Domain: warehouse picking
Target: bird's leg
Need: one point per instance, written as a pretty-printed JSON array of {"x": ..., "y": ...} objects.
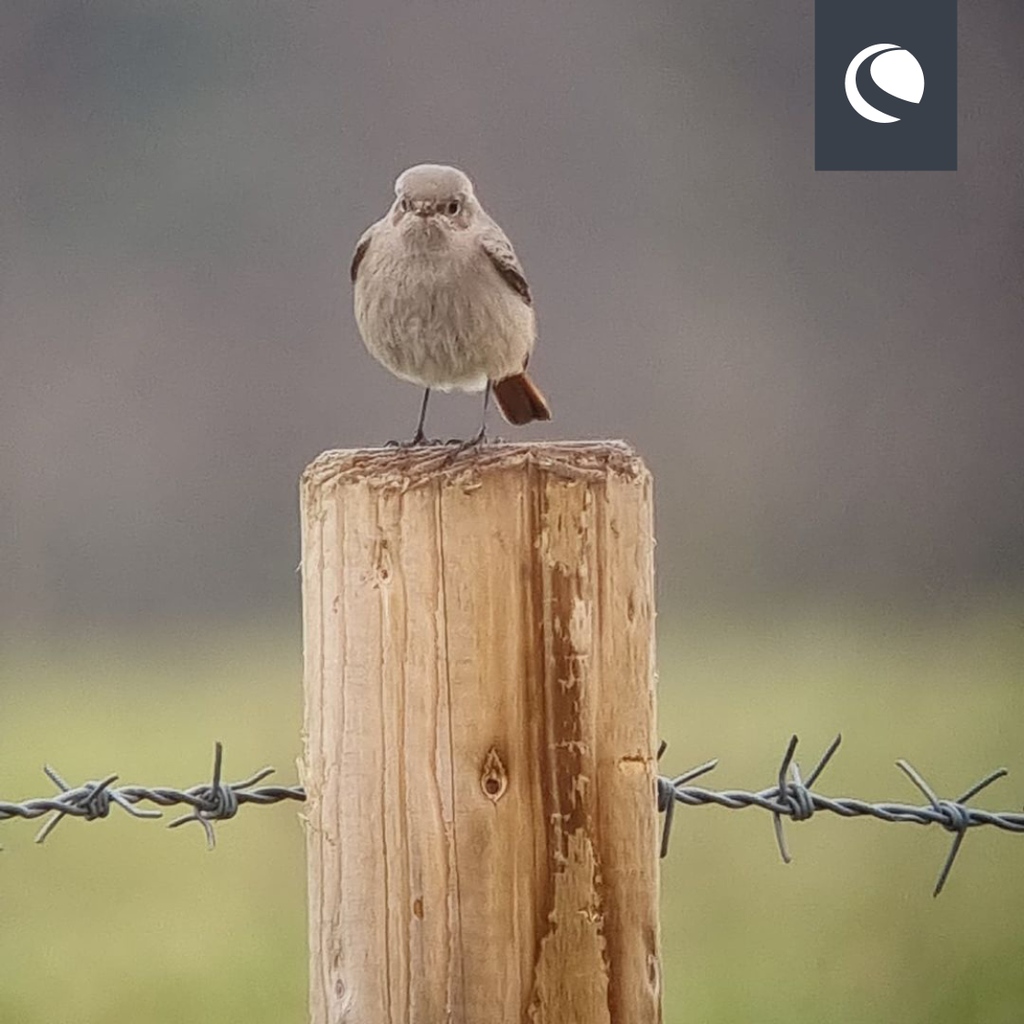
[
  {"x": 419, "y": 437},
  {"x": 481, "y": 435}
]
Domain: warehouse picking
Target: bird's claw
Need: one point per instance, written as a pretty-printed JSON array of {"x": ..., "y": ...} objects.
[
  {"x": 459, "y": 445},
  {"x": 417, "y": 441}
]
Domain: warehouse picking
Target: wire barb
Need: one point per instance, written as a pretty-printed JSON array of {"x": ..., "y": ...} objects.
[
  {"x": 218, "y": 802},
  {"x": 955, "y": 815},
  {"x": 666, "y": 789},
  {"x": 795, "y": 794},
  {"x": 90, "y": 801}
]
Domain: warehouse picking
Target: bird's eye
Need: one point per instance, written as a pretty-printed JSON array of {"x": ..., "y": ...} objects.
[
  {"x": 405, "y": 205},
  {"x": 452, "y": 207}
]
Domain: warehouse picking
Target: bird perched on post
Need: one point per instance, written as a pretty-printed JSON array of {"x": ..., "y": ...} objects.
[{"x": 441, "y": 300}]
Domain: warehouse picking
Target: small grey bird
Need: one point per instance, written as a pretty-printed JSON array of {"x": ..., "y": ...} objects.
[{"x": 440, "y": 298}]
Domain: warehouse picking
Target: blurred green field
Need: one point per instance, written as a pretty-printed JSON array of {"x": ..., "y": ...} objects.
[{"x": 120, "y": 921}]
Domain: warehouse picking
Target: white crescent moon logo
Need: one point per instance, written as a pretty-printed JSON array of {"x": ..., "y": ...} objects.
[{"x": 896, "y": 71}]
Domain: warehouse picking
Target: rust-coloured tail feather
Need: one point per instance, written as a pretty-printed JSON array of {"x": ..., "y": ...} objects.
[{"x": 520, "y": 400}]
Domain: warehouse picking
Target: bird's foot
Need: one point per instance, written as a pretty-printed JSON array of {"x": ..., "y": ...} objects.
[
  {"x": 419, "y": 439},
  {"x": 459, "y": 444}
]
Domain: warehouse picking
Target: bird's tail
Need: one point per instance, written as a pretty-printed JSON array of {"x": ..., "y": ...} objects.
[{"x": 520, "y": 400}]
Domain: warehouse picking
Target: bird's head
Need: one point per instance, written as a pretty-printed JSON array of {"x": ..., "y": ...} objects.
[{"x": 431, "y": 197}]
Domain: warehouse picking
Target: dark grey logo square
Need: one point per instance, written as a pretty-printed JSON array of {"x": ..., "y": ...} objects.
[{"x": 885, "y": 85}]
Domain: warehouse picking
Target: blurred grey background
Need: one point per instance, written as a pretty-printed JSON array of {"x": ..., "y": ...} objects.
[{"x": 824, "y": 370}]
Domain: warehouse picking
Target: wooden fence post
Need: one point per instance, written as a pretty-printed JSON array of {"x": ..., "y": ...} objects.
[{"x": 479, "y": 736}]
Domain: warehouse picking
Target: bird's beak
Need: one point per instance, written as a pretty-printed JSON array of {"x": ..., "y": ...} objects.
[{"x": 423, "y": 208}]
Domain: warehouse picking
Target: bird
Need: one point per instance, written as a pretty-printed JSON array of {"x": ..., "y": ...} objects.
[{"x": 441, "y": 299}]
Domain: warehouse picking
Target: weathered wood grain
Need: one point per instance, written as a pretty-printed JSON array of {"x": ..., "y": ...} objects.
[{"x": 479, "y": 678}]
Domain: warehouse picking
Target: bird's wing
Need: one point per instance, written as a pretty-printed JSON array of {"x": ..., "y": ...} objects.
[
  {"x": 500, "y": 252},
  {"x": 361, "y": 249}
]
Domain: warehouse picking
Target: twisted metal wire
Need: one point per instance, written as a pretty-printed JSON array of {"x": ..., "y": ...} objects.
[
  {"x": 209, "y": 802},
  {"x": 790, "y": 797}
]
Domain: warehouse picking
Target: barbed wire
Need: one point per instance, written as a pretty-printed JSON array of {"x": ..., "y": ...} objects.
[
  {"x": 791, "y": 797},
  {"x": 212, "y": 801}
]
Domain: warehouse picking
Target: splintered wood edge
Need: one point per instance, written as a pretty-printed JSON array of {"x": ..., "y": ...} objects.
[{"x": 404, "y": 468}]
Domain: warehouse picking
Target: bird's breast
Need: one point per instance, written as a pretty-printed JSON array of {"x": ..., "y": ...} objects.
[{"x": 441, "y": 317}]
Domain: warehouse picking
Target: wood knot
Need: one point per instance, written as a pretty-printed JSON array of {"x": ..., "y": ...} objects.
[
  {"x": 344, "y": 998},
  {"x": 493, "y": 777}
]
